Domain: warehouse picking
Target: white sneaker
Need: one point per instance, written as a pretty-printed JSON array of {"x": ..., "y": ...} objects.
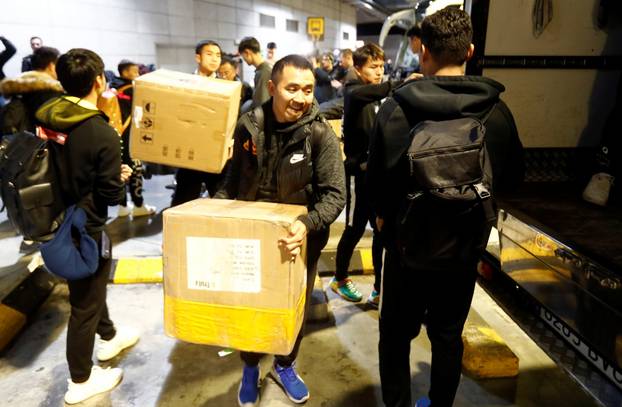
[
  {"x": 100, "y": 381},
  {"x": 145, "y": 210},
  {"x": 124, "y": 338},
  {"x": 597, "y": 190},
  {"x": 123, "y": 211}
]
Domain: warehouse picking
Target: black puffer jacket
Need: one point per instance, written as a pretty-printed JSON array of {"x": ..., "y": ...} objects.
[
  {"x": 308, "y": 170},
  {"x": 31, "y": 90}
]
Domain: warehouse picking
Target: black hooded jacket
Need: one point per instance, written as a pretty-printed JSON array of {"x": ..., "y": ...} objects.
[
  {"x": 306, "y": 169},
  {"x": 438, "y": 98},
  {"x": 361, "y": 103},
  {"x": 90, "y": 157}
]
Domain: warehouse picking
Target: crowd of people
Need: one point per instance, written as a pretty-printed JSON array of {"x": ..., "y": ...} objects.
[{"x": 284, "y": 115}]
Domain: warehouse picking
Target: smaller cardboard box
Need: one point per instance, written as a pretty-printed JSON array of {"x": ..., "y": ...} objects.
[
  {"x": 227, "y": 282},
  {"x": 184, "y": 120}
]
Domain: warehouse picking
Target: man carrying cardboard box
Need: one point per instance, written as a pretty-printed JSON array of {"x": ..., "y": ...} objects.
[
  {"x": 208, "y": 56},
  {"x": 128, "y": 71},
  {"x": 285, "y": 152}
]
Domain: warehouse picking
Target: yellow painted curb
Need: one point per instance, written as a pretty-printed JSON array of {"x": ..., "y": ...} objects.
[
  {"x": 138, "y": 270},
  {"x": 11, "y": 322},
  {"x": 486, "y": 355},
  {"x": 366, "y": 261}
]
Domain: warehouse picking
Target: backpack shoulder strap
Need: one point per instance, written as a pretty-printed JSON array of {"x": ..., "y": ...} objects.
[
  {"x": 489, "y": 113},
  {"x": 260, "y": 121},
  {"x": 259, "y": 116},
  {"x": 316, "y": 136},
  {"x": 123, "y": 88}
]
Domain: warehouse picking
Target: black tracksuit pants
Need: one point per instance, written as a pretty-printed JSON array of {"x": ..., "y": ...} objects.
[
  {"x": 135, "y": 183},
  {"x": 315, "y": 244},
  {"x": 89, "y": 315},
  {"x": 358, "y": 213},
  {"x": 189, "y": 184},
  {"x": 409, "y": 297}
]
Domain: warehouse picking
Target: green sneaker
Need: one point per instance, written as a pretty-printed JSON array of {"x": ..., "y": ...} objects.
[{"x": 346, "y": 290}]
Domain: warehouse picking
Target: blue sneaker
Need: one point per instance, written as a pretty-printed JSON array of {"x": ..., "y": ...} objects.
[
  {"x": 293, "y": 385},
  {"x": 423, "y": 402},
  {"x": 248, "y": 393}
]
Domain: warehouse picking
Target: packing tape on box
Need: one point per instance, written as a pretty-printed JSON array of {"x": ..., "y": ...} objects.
[{"x": 261, "y": 330}]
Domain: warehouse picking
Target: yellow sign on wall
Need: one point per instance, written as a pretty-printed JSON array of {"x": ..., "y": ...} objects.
[{"x": 315, "y": 26}]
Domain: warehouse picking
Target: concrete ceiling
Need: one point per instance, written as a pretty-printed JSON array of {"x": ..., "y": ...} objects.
[{"x": 375, "y": 11}]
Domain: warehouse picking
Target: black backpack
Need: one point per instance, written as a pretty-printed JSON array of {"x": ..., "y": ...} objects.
[
  {"x": 449, "y": 212},
  {"x": 14, "y": 117},
  {"x": 30, "y": 186}
]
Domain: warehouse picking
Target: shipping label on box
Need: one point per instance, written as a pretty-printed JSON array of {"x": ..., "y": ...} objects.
[
  {"x": 223, "y": 264},
  {"x": 227, "y": 281},
  {"x": 184, "y": 120}
]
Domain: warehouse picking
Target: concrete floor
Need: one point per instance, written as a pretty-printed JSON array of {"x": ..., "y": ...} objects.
[{"x": 338, "y": 358}]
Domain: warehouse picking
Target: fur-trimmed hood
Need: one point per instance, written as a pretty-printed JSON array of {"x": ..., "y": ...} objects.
[{"x": 28, "y": 82}]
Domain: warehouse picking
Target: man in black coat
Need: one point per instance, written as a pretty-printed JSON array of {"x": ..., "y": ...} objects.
[
  {"x": 35, "y": 43},
  {"x": 93, "y": 179},
  {"x": 285, "y": 152},
  {"x": 362, "y": 99},
  {"x": 128, "y": 71},
  {"x": 29, "y": 91},
  {"x": 189, "y": 183},
  {"x": 229, "y": 71},
  {"x": 410, "y": 292}
]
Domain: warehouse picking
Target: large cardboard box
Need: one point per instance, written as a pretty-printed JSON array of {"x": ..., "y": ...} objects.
[
  {"x": 227, "y": 282},
  {"x": 184, "y": 120}
]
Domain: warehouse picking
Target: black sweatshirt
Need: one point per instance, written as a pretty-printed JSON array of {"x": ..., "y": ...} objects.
[
  {"x": 9, "y": 51},
  {"x": 90, "y": 158}
]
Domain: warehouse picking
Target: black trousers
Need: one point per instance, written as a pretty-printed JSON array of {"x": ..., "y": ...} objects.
[
  {"x": 315, "y": 244},
  {"x": 89, "y": 315},
  {"x": 189, "y": 184},
  {"x": 135, "y": 184},
  {"x": 442, "y": 299},
  {"x": 358, "y": 213}
]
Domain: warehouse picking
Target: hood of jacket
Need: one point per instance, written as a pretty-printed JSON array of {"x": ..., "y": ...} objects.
[
  {"x": 64, "y": 112},
  {"x": 28, "y": 82},
  {"x": 353, "y": 82},
  {"x": 447, "y": 97}
]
